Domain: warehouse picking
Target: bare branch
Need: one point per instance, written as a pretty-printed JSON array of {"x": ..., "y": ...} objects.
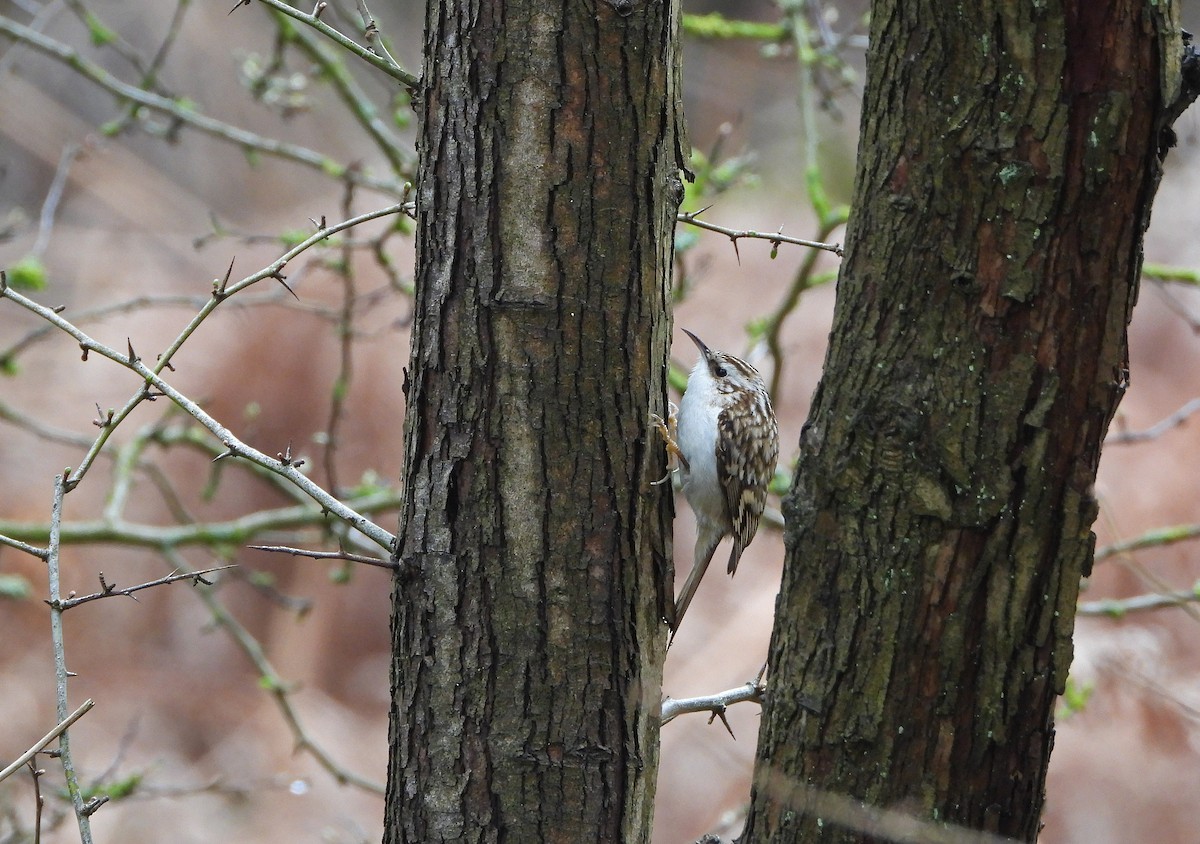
[
  {"x": 383, "y": 62},
  {"x": 326, "y": 555},
  {"x": 1120, "y": 607},
  {"x": 232, "y": 532},
  {"x": 805, "y": 278},
  {"x": 752, "y": 692},
  {"x": 82, "y": 812},
  {"x": 164, "y": 360},
  {"x": 40, "y": 553},
  {"x": 46, "y": 739},
  {"x": 189, "y": 117},
  {"x": 372, "y": 34},
  {"x": 1150, "y": 539},
  {"x": 776, "y": 238},
  {"x": 1156, "y": 430},
  {"x": 54, "y": 196},
  {"x": 108, "y": 590},
  {"x": 355, "y": 99}
]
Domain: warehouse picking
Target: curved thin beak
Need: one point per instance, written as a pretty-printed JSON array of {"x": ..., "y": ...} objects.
[{"x": 699, "y": 344}]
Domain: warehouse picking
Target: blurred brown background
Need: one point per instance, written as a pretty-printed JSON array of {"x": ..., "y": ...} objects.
[{"x": 177, "y": 702}]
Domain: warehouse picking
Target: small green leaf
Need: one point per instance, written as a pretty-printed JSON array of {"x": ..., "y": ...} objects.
[
  {"x": 677, "y": 378},
  {"x": 9, "y": 367},
  {"x": 817, "y": 196},
  {"x": 113, "y": 790},
  {"x": 28, "y": 274},
  {"x": 369, "y": 484},
  {"x": 14, "y": 587},
  {"x": 293, "y": 237},
  {"x": 262, "y": 578},
  {"x": 270, "y": 683},
  {"x": 340, "y": 388},
  {"x": 1074, "y": 698},
  {"x": 99, "y": 33}
]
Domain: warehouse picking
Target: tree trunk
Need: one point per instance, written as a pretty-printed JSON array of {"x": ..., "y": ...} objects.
[
  {"x": 941, "y": 515},
  {"x": 527, "y": 620}
]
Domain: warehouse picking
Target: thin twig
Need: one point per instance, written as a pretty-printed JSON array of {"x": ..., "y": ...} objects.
[
  {"x": 109, "y": 590},
  {"x": 39, "y": 802},
  {"x": 776, "y": 238},
  {"x": 1156, "y": 430},
  {"x": 222, "y": 289},
  {"x": 371, "y": 32},
  {"x": 1120, "y": 607},
  {"x": 189, "y": 117},
  {"x": 54, "y": 196},
  {"x": 384, "y": 63},
  {"x": 356, "y": 100},
  {"x": 275, "y": 685},
  {"x": 326, "y": 555},
  {"x": 148, "y": 72},
  {"x": 1150, "y": 539},
  {"x": 43, "y": 431},
  {"x": 231, "y": 532},
  {"x": 235, "y": 447},
  {"x": 751, "y": 692},
  {"x": 82, "y": 815},
  {"x": 46, "y": 739},
  {"x": 801, "y": 282},
  {"x": 40, "y": 553},
  {"x": 345, "y": 336},
  {"x": 42, "y": 331}
]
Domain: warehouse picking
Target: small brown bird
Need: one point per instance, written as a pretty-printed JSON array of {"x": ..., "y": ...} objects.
[{"x": 728, "y": 442}]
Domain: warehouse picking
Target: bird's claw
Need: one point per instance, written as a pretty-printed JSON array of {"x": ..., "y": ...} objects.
[{"x": 666, "y": 429}]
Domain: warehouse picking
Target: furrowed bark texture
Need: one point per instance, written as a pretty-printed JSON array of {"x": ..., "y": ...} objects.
[
  {"x": 941, "y": 516},
  {"x": 527, "y": 620}
]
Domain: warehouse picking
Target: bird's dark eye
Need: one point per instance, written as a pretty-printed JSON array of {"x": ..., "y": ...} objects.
[{"x": 722, "y": 372}]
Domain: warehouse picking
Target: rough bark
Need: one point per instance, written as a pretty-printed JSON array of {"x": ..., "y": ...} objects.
[
  {"x": 527, "y": 620},
  {"x": 941, "y": 515}
]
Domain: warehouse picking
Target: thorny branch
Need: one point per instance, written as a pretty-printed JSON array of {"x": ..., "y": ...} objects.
[
  {"x": 753, "y": 691},
  {"x": 326, "y": 555},
  {"x": 716, "y": 704},
  {"x": 82, "y": 811},
  {"x": 775, "y": 238},
  {"x": 221, "y": 290},
  {"x": 109, "y": 590},
  {"x": 383, "y": 62}
]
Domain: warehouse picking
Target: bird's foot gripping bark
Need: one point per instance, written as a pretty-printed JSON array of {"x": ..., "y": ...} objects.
[{"x": 666, "y": 430}]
